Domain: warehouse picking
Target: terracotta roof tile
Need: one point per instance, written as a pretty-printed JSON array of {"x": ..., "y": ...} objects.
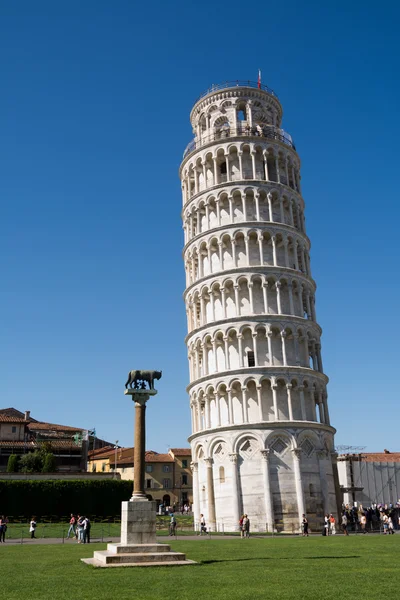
[
  {"x": 373, "y": 457},
  {"x": 42, "y": 425},
  {"x": 7, "y": 419},
  {"x": 181, "y": 451}
]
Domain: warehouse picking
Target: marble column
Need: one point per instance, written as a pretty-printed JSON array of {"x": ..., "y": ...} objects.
[
  {"x": 196, "y": 492},
  {"x": 298, "y": 483},
  {"x": 210, "y": 494},
  {"x": 269, "y": 506},
  {"x": 236, "y": 504}
]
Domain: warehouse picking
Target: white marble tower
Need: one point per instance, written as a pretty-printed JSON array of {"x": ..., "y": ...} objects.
[{"x": 261, "y": 439}]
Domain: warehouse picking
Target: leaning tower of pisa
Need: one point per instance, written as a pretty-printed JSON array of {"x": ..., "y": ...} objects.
[{"x": 262, "y": 443}]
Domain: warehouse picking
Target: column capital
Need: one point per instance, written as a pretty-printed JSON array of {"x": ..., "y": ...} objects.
[
  {"x": 265, "y": 454},
  {"x": 289, "y": 386},
  {"x": 194, "y": 466},
  {"x": 209, "y": 462},
  {"x": 283, "y": 334},
  {"x": 301, "y": 388},
  {"x": 278, "y": 284},
  {"x": 233, "y": 457},
  {"x": 297, "y": 452}
]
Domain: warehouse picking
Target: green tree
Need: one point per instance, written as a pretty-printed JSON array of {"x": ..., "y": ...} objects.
[
  {"x": 32, "y": 462},
  {"x": 49, "y": 463},
  {"x": 12, "y": 465}
]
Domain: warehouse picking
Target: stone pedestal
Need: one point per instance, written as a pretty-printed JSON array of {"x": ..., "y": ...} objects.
[
  {"x": 138, "y": 547},
  {"x": 138, "y": 522}
]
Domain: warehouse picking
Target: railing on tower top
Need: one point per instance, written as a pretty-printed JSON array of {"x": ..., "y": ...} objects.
[
  {"x": 238, "y": 83},
  {"x": 268, "y": 132}
]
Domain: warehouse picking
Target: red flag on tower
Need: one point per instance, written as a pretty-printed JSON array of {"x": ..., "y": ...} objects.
[{"x": 259, "y": 79}]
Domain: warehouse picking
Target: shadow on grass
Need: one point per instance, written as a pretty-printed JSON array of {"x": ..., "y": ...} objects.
[{"x": 222, "y": 560}]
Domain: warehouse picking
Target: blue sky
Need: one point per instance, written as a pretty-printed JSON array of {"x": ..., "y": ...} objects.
[{"x": 95, "y": 109}]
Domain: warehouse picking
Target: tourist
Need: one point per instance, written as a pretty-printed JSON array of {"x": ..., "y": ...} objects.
[
  {"x": 344, "y": 524},
  {"x": 325, "y": 530},
  {"x": 241, "y": 526},
  {"x": 172, "y": 525},
  {"x": 246, "y": 526},
  {"x": 332, "y": 524},
  {"x": 71, "y": 529},
  {"x": 304, "y": 525},
  {"x": 385, "y": 520},
  {"x": 390, "y": 525},
  {"x": 86, "y": 530},
  {"x": 80, "y": 529},
  {"x": 203, "y": 528},
  {"x": 363, "y": 523},
  {"x": 32, "y": 527}
]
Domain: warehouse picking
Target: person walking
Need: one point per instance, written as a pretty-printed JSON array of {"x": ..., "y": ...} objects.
[
  {"x": 172, "y": 525},
  {"x": 304, "y": 526},
  {"x": 390, "y": 525},
  {"x": 86, "y": 530},
  {"x": 332, "y": 524},
  {"x": 385, "y": 520},
  {"x": 241, "y": 526},
  {"x": 203, "y": 528},
  {"x": 344, "y": 524},
  {"x": 246, "y": 526},
  {"x": 80, "y": 529},
  {"x": 363, "y": 523},
  {"x": 32, "y": 527},
  {"x": 72, "y": 523}
]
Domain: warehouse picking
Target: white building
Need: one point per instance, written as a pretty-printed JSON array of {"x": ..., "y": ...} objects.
[
  {"x": 262, "y": 442},
  {"x": 370, "y": 478}
]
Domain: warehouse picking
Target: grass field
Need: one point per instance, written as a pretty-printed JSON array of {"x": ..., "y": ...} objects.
[{"x": 356, "y": 568}]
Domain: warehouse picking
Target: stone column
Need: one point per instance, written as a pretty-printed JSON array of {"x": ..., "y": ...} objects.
[
  {"x": 298, "y": 483},
  {"x": 257, "y": 202},
  {"x": 270, "y": 209},
  {"x": 226, "y": 347},
  {"x": 274, "y": 388},
  {"x": 278, "y": 297},
  {"x": 269, "y": 506},
  {"x": 237, "y": 299},
  {"x": 223, "y": 301},
  {"x": 235, "y": 490},
  {"x": 283, "y": 338},
  {"x": 273, "y": 241},
  {"x": 270, "y": 355},
  {"x": 302, "y": 403},
  {"x": 196, "y": 492},
  {"x": 289, "y": 399},
  {"x": 230, "y": 407},
  {"x": 260, "y": 248},
  {"x": 244, "y": 405},
  {"x": 265, "y": 297},
  {"x": 210, "y": 494},
  {"x": 140, "y": 448},
  {"x": 322, "y": 455},
  {"x": 259, "y": 402}
]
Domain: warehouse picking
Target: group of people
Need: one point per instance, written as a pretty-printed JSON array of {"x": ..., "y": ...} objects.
[
  {"x": 79, "y": 528},
  {"x": 244, "y": 524},
  {"x": 3, "y": 528},
  {"x": 374, "y": 517}
]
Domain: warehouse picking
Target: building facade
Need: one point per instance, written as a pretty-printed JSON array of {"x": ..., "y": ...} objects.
[
  {"x": 20, "y": 433},
  {"x": 370, "y": 477},
  {"x": 168, "y": 477},
  {"x": 262, "y": 442}
]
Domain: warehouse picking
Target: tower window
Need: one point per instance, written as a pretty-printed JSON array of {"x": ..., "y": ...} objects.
[
  {"x": 250, "y": 359},
  {"x": 223, "y": 168},
  {"x": 241, "y": 115}
]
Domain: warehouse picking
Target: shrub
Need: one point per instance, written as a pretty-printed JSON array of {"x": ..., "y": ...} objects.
[
  {"x": 32, "y": 462},
  {"x": 61, "y": 497},
  {"x": 49, "y": 463},
  {"x": 12, "y": 465}
]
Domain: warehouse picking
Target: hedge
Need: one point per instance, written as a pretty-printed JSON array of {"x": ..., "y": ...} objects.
[{"x": 57, "y": 497}]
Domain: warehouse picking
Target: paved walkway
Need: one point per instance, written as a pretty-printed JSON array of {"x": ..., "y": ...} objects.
[{"x": 160, "y": 539}]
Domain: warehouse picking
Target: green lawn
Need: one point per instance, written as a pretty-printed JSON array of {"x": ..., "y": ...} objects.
[{"x": 333, "y": 568}]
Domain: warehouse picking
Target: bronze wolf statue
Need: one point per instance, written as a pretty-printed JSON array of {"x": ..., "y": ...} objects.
[{"x": 134, "y": 377}]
